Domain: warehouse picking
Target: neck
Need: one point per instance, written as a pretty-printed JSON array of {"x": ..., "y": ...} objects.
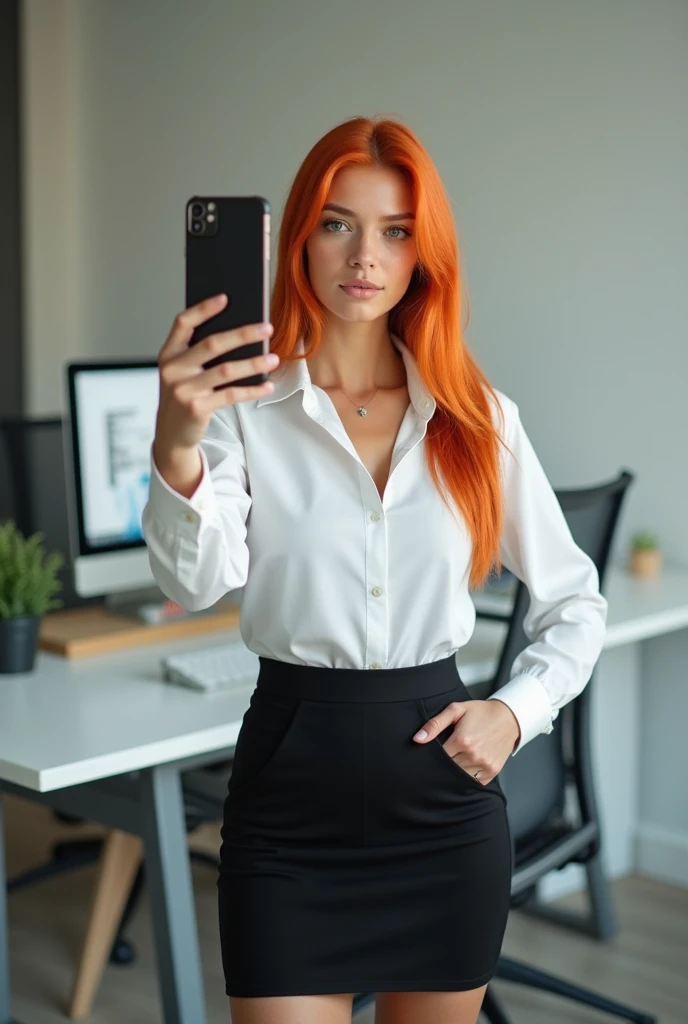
[{"x": 357, "y": 358}]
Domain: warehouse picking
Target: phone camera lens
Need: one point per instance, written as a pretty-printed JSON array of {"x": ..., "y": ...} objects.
[
  {"x": 196, "y": 209},
  {"x": 196, "y": 226}
]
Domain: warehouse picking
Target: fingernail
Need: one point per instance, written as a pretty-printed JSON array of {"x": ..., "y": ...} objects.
[
  {"x": 272, "y": 359},
  {"x": 421, "y": 735}
]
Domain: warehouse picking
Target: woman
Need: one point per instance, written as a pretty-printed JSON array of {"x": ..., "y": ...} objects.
[{"x": 356, "y": 497}]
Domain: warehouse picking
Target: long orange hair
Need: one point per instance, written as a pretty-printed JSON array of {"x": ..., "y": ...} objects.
[{"x": 462, "y": 442}]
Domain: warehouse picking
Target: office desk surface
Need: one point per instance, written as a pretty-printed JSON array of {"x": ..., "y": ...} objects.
[
  {"x": 71, "y": 722},
  {"x": 638, "y": 609}
]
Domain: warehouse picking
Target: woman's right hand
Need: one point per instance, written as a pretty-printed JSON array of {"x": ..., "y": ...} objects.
[{"x": 187, "y": 399}]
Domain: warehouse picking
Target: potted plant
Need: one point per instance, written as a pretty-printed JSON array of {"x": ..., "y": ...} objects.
[
  {"x": 28, "y": 581},
  {"x": 646, "y": 554}
]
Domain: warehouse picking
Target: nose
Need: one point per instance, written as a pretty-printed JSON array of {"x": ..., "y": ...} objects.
[{"x": 364, "y": 249}]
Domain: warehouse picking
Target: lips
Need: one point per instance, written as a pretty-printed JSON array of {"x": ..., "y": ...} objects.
[{"x": 356, "y": 291}]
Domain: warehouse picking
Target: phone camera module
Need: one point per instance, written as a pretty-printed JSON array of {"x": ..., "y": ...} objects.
[{"x": 200, "y": 221}]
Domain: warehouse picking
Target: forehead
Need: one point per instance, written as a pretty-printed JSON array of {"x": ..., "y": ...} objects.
[{"x": 371, "y": 190}]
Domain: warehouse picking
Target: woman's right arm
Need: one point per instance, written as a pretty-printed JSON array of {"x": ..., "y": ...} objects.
[
  {"x": 197, "y": 540},
  {"x": 194, "y": 522}
]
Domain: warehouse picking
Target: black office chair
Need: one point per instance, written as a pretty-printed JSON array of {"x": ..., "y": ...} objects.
[
  {"x": 34, "y": 468},
  {"x": 551, "y": 802}
]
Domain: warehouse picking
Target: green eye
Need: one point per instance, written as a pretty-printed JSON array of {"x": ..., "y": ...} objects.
[{"x": 407, "y": 233}]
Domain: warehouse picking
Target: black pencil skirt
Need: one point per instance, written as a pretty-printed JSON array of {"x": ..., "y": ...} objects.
[{"x": 353, "y": 858}]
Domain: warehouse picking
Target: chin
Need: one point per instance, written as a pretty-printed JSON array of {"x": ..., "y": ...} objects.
[
  {"x": 358, "y": 312},
  {"x": 356, "y": 316}
]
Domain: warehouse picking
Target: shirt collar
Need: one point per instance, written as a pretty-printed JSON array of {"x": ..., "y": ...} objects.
[{"x": 294, "y": 376}]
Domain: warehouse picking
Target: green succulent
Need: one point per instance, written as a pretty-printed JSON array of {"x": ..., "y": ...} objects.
[
  {"x": 28, "y": 577},
  {"x": 644, "y": 540}
]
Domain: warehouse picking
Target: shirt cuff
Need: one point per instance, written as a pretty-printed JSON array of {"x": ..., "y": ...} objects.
[
  {"x": 173, "y": 510},
  {"x": 530, "y": 703}
]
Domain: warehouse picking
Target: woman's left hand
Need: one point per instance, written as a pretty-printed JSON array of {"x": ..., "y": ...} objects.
[{"x": 485, "y": 734}]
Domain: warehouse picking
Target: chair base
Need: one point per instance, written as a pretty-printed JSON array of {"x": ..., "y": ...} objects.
[
  {"x": 524, "y": 974},
  {"x": 600, "y": 922},
  {"x": 361, "y": 1000},
  {"x": 66, "y": 857},
  {"x": 491, "y": 1009}
]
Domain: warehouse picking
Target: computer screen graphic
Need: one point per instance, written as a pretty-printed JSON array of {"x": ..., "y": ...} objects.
[{"x": 116, "y": 411}]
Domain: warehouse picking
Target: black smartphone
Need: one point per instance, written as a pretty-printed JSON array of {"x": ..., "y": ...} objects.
[{"x": 228, "y": 250}]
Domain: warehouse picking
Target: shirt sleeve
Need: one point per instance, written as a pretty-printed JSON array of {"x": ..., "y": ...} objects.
[
  {"x": 566, "y": 620},
  {"x": 197, "y": 546}
]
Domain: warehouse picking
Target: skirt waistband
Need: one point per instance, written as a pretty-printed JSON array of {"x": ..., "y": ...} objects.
[{"x": 312, "y": 682}]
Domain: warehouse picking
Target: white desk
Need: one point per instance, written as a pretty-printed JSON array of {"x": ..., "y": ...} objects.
[{"x": 72, "y": 732}]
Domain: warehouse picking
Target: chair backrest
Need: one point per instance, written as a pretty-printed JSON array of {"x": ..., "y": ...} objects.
[
  {"x": 34, "y": 457},
  {"x": 534, "y": 781}
]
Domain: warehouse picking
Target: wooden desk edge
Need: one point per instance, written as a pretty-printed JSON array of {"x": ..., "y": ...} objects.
[{"x": 82, "y": 632}]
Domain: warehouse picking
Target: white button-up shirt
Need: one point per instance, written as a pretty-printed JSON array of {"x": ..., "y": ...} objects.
[{"x": 334, "y": 576}]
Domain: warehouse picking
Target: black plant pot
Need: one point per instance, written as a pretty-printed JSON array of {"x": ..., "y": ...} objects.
[{"x": 19, "y": 643}]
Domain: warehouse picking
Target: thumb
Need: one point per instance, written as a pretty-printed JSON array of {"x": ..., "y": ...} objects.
[{"x": 452, "y": 713}]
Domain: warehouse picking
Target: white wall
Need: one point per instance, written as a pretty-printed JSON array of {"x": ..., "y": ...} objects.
[{"x": 52, "y": 171}]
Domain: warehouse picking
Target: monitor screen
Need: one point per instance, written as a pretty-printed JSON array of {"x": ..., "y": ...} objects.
[
  {"x": 109, "y": 430},
  {"x": 113, "y": 409}
]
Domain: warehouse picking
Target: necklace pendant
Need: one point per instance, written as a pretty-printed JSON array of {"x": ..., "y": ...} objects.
[{"x": 362, "y": 411}]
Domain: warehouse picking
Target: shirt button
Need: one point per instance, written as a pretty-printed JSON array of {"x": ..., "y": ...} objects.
[
  {"x": 376, "y": 591},
  {"x": 425, "y": 403},
  {"x": 189, "y": 517},
  {"x": 376, "y": 664},
  {"x": 375, "y": 516}
]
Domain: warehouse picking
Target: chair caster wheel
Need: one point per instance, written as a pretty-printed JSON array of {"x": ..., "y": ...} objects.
[
  {"x": 61, "y": 852},
  {"x": 122, "y": 953},
  {"x": 68, "y": 819}
]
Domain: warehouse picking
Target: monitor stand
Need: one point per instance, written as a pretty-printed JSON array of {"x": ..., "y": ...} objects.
[{"x": 152, "y": 606}]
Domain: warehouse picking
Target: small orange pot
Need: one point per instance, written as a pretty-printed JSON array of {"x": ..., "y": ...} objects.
[{"x": 646, "y": 563}]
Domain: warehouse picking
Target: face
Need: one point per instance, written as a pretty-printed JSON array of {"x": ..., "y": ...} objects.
[{"x": 365, "y": 231}]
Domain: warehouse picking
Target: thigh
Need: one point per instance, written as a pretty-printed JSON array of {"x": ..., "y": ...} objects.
[
  {"x": 411, "y": 1007},
  {"x": 320, "y": 1009}
]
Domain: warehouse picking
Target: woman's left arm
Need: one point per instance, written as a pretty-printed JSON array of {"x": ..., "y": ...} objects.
[{"x": 566, "y": 620}]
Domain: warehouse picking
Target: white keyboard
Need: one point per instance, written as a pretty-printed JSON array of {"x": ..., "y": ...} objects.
[{"x": 213, "y": 668}]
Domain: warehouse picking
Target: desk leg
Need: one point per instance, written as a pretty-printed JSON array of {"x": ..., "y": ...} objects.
[
  {"x": 168, "y": 879},
  {"x": 4, "y": 938}
]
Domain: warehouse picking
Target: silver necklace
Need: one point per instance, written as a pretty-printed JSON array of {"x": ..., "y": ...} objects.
[{"x": 361, "y": 409}]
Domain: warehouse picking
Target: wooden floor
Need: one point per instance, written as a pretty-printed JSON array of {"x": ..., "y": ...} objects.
[{"x": 646, "y": 966}]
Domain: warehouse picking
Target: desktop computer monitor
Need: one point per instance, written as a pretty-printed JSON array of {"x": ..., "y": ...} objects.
[{"x": 110, "y": 425}]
